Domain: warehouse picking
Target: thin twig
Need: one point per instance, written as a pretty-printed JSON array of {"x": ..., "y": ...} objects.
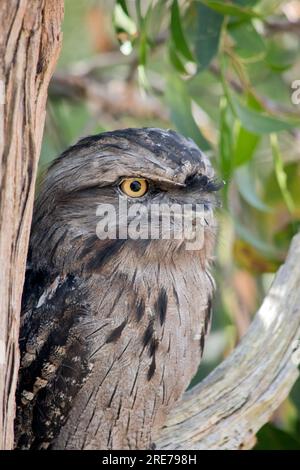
[{"x": 282, "y": 27}]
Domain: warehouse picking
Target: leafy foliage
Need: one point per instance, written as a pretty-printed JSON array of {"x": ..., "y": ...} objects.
[{"x": 221, "y": 73}]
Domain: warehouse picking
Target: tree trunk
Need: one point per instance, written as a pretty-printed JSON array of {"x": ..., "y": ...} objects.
[{"x": 30, "y": 42}]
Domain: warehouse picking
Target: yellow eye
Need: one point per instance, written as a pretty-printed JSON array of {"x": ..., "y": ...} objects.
[{"x": 134, "y": 187}]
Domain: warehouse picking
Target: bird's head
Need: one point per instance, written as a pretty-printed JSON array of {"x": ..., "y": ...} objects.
[{"x": 148, "y": 189}]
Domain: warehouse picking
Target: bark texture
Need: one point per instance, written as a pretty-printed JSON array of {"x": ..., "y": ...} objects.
[
  {"x": 30, "y": 42},
  {"x": 227, "y": 409}
]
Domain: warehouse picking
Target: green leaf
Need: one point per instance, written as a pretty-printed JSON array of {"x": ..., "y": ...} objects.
[
  {"x": 175, "y": 60},
  {"x": 244, "y": 3},
  {"x": 226, "y": 141},
  {"x": 248, "y": 257},
  {"x": 142, "y": 77},
  {"x": 246, "y": 144},
  {"x": 67, "y": 121},
  {"x": 282, "y": 237},
  {"x": 207, "y": 32},
  {"x": 259, "y": 123},
  {"x": 231, "y": 9},
  {"x": 280, "y": 58},
  {"x": 248, "y": 43},
  {"x": 280, "y": 173},
  {"x": 271, "y": 438},
  {"x": 177, "y": 33},
  {"x": 253, "y": 239},
  {"x": 244, "y": 178},
  {"x": 295, "y": 398},
  {"x": 139, "y": 11},
  {"x": 272, "y": 190},
  {"x": 156, "y": 19},
  {"x": 181, "y": 115},
  {"x": 143, "y": 48},
  {"x": 143, "y": 32},
  {"x": 123, "y": 5},
  {"x": 123, "y": 22}
]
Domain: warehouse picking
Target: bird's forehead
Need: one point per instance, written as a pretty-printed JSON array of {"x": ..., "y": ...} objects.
[{"x": 160, "y": 152}]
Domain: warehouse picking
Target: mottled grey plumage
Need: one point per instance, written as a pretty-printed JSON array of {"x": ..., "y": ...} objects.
[{"x": 112, "y": 331}]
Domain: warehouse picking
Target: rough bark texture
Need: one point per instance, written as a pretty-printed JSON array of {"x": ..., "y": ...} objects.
[
  {"x": 238, "y": 397},
  {"x": 29, "y": 46}
]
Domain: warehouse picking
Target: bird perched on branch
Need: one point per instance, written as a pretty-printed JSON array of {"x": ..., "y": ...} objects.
[{"x": 113, "y": 329}]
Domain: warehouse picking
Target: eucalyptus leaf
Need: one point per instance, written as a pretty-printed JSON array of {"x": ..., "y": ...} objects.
[
  {"x": 272, "y": 438},
  {"x": 181, "y": 115},
  {"x": 260, "y": 123},
  {"x": 123, "y": 5},
  {"x": 254, "y": 240},
  {"x": 226, "y": 140},
  {"x": 231, "y": 9},
  {"x": 246, "y": 141},
  {"x": 143, "y": 48},
  {"x": 123, "y": 22},
  {"x": 279, "y": 57},
  {"x": 175, "y": 60},
  {"x": 245, "y": 146},
  {"x": 156, "y": 19},
  {"x": 248, "y": 43},
  {"x": 245, "y": 179},
  {"x": 245, "y": 3},
  {"x": 178, "y": 34},
  {"x": 280, "y": 173},
  {"x": 208, "y": 24}
]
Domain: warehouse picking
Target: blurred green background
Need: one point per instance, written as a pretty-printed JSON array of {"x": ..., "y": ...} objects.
[{"x": 221, "y": 73}]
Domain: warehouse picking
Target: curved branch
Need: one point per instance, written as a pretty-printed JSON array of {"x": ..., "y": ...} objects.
[{"x": 227, "y": 409}]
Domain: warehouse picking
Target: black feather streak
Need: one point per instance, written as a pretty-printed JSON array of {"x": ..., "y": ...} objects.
[
  {"x": 88, "y": 246},
  {"x": 148, "y": 335},
  {"x": 153, "y": 346},
  {"x": 202, "y": 339},
  {"x": 152, "y": 369},
  {"x": 207, "y": 315},
  {"x": 161, "y": 305},
  {"x": 104, "y": 255},
  {"x": 116, "y": 333},
  {"x": 140, "y": 310}
]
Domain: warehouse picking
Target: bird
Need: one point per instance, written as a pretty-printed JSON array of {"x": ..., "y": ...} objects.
[{"x": 113, "y": 329}]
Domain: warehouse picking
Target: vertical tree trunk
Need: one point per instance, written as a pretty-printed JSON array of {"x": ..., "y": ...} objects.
[{"x": 30, "y": 39}]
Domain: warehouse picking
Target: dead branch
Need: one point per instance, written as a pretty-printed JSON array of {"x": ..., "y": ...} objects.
[
  {"x": 227, "y": 409},
  {"x": 283, "y": 26},
  {"x": 115, "y": 98}
]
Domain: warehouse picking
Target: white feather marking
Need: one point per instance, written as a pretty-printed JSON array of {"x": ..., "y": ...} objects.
[{"x": 49, "y": 292}]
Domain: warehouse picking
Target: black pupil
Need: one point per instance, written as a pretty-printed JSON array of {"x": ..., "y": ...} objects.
[{"x": 135, "y": 186}]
